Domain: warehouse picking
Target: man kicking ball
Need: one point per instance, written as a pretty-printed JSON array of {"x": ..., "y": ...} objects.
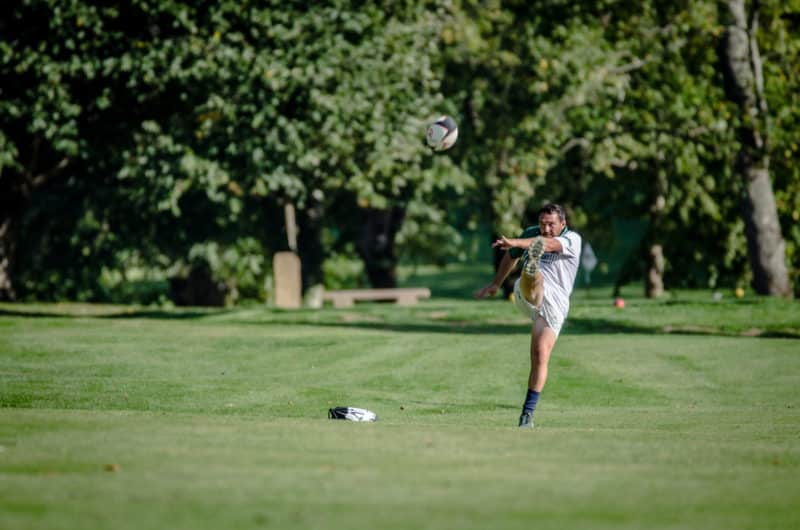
[{"x": 551, "y": 254}]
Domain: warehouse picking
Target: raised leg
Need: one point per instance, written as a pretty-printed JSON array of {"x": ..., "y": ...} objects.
[
  {"x": 532, "y": 288},
  {"x": 531, "y": 281}
]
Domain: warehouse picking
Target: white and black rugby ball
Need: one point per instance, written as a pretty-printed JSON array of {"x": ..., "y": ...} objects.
[{"x": 442, "y": 133}]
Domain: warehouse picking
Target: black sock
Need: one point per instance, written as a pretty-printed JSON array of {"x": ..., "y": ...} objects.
[{"x": 531, "y": 399}]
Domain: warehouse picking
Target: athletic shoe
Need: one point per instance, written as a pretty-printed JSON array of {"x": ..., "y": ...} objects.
[
  {"x": 526, "y": 421},
  {"x": 535, "y": 251}
]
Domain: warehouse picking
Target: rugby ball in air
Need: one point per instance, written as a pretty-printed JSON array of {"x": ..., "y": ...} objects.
[
  {"x": 442, "y": 133},
  {"x": 351, "y": 414}
]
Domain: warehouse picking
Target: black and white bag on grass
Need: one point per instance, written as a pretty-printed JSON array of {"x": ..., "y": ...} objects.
[{"x": 352, "y": 414}]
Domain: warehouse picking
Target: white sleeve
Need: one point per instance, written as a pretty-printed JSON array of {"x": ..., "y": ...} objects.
[{"x": 570, "y": 244}]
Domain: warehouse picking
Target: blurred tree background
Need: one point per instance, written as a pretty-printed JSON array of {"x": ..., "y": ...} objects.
[{"x": 148, "y": 148}]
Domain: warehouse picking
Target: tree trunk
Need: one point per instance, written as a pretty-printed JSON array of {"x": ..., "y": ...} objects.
[
  {"x": 654, "y": 257},
  {"x": 654, "y": 280},
  {"x": 765, "y": 244},
  {"x": 16, "y": 189},
  {"x": 744, "y": 85},
  {"x": 309, "y": 247},
  {"x": 375, "y": 244},
  {"x": 8, "y": 244},
  {"x": 199, "y": 288}
]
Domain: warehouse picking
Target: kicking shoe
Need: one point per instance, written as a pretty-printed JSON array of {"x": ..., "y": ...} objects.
[
  {"x": 526, "y": 421},
  {"x": 535, "y": 251}
]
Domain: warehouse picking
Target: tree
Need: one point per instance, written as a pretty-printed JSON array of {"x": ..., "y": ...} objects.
[
  {"x": 53, "y": 103},
  {"x": 779, "y": 45},
  {"x": 609, "y": 108},
  {"x": 744, "y": 83},
  {"x": 169, "y": 135},
  {"x": 187, "y": 126}
]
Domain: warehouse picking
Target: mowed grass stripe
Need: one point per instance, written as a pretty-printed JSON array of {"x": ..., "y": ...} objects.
[
  {"x": 222, "y": 356},
  {"x": 217, "y": 419},
  {"x": 315, "y": 472}
]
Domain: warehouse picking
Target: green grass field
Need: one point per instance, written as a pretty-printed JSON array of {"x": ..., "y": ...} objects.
[{"x": 675, "y": 414}]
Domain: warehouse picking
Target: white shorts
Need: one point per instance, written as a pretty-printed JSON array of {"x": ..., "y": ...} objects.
[{"x": 550, "y": 312}]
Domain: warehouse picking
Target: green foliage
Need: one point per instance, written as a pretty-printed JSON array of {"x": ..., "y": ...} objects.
[
  {"x": 427, "y": 236},
  {"x": 779, "y": 43},
  {"x": 168, "y": 129},
  {"x": 241, "y": 264},
  {"x": 617, "y": 110},
  {"x": 212, "y": 116},
  {"x": 343, "y": 270}
]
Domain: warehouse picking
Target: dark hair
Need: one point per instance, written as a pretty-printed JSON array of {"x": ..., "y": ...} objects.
[{"x": 551, "y": 208}]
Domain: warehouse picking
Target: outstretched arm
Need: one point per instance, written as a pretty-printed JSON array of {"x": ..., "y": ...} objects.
[
  {"x": 507, "y": 264},
  {"x": 551, "y": 244}
]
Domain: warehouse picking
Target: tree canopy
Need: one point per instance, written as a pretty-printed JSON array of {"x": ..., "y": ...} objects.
[{"x": 144, "y": 139}]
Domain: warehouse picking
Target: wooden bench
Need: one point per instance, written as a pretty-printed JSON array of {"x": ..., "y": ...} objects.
[{"x": 402, "y": 296}]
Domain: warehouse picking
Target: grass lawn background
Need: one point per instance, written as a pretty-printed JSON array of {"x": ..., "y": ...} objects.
[{"x": 680, "y": 413}]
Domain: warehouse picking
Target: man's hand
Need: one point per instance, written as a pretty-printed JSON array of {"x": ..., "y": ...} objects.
[
  {"x": 485, "y": 292},
  {"x": 503, "y": 243}
]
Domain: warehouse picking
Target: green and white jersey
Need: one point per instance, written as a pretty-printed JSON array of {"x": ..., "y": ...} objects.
[{"x": 559, "y": 269}]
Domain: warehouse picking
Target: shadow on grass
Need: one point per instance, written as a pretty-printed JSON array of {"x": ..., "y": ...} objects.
[
  {"x": 154, "y": 314},
  {"x": 710, "y": 303},
  {"x": 32, "y": 314},
  {"x": 574, "y": 325},
  {"x": 165, "y": 314}
]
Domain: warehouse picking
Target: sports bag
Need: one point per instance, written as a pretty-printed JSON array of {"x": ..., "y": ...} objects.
[{"x": 352, "y": 414}]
